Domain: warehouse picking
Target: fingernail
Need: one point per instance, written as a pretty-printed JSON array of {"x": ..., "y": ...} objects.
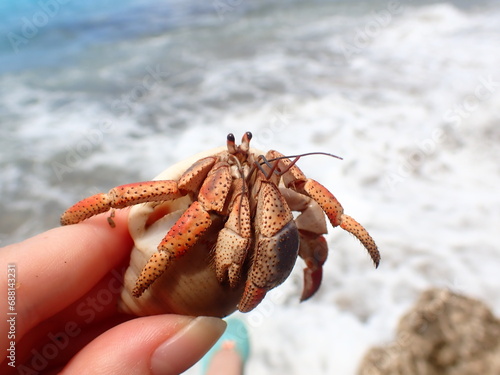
[{"x": 187, "y": 346}]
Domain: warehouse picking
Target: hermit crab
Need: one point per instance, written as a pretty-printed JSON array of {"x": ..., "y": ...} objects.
[{"x": 214, "y": 233}]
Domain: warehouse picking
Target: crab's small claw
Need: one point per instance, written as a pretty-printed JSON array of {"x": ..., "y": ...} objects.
[
  {"x": 234, "y": 239},
  {"x": 314, "y": 251},
  {"x": 313, "y": 248}
]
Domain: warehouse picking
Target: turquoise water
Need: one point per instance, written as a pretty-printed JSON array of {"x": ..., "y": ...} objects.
[{"x": 51, "y": 32}]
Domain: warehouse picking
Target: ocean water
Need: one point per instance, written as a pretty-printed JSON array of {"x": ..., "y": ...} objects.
[{"x": 93, "y": 96}]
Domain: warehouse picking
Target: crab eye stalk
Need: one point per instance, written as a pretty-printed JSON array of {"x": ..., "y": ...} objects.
[
  {"x": 231, "y": 146},
  {"x": 245, "y": 141}
]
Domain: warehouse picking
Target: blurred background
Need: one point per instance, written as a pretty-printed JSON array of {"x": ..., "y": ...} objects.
[{"x": 407, "y": 92}]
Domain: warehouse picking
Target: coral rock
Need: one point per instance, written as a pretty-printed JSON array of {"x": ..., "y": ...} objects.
[{"x": 444, "y": 334}]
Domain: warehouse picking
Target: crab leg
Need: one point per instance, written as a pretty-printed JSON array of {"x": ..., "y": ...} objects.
[
  {"x": 140, "y": 192},
  {"x": 293, "y": 178},
  {"x": 334, "y": 212},
  {"x": 180, "y": 238},
  {"x": 120, "y": 197},
  {"x": 189, "y": 228}
]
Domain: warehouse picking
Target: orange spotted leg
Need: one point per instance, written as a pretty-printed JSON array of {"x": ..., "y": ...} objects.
[
  {"x": 180, "y": 238},
  {"x": 335, "y": 214},
  {"x": 121, "y": 197}
]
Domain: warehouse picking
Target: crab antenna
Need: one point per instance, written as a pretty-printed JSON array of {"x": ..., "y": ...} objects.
[
  {"x": 300, "y": 155},
  {"x": 245, "y": 141},
  {"x": 295, "y": 160},
  {"x": 231, "y": 146}
]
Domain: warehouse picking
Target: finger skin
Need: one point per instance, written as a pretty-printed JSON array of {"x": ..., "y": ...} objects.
[
  {"x": 56, "y": 268},
  {"x": 72, "y": 328},
  {"x": 129, "y": 347}
]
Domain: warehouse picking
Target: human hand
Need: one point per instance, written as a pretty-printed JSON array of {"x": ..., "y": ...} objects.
[{"x": 64, "y": 316}]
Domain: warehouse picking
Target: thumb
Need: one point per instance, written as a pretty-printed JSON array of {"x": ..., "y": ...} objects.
[{"x": 157, "y": 345}]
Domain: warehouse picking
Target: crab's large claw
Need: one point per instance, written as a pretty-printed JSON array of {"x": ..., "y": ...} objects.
[{"x": 275, "y": 249}]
